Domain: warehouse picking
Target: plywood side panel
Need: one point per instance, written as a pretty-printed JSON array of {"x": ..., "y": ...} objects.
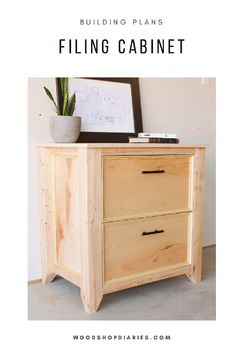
[{"x": 67, "y": 212}]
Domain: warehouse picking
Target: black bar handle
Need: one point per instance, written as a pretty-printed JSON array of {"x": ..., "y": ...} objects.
[
  {"x": 154, "y": 171},
  {"x": 152, "y": 232}
]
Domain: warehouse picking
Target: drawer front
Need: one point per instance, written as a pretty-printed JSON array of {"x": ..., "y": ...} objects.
[
  {"x": 134, "y": 248},
  {"x": 138, "y": 185}
]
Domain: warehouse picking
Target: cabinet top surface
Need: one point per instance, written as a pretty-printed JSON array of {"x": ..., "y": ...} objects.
[{"x": 120, "y": 145}]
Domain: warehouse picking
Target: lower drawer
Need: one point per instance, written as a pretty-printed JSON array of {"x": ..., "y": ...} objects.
[{"x": 142, "y": 246}]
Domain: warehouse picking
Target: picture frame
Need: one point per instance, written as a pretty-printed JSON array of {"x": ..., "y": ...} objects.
[{"x": 101, "y": 135}]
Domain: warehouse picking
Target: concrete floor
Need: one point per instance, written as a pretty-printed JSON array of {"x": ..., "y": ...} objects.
[{"x": 170, "y": 299}]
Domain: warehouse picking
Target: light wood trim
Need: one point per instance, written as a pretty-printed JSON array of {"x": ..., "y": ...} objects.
[
  {"x": 191, "y": 195},
  {"x": 64, "y": 153},
  {"x": 142, "y": 275},
  {"x": 121, "y": 145},
  {"x": 146, "y": 215},
  {"x": 147, "y": 151},
  {"x": 67, "y": 274},
  {"x": 64, "y": 150},
  {"x": 141, "y": 156},
  {"x": 34, "y": 281},
  {"x": 129, "y": 283},
  {"x": 191, "y": 179},
  {"x": 190, "y": 233},
  {"x": 48, "y": 246},
  {"x": 197, "y": 218},
  {"x": 90, "y": 193}
]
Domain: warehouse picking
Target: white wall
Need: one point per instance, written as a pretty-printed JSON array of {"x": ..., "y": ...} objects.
[
  {"x": 179, "y": 105},
  {"x": 39, "y": 108}
]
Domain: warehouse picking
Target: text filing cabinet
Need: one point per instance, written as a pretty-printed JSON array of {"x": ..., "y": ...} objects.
[{"x": 116, "y": 216}]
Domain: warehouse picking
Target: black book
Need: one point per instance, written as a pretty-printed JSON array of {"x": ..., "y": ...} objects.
[{"x": 154, "y": 140}]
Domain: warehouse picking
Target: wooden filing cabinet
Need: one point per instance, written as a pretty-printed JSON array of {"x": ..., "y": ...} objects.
[{"x": 116, "y": 216}]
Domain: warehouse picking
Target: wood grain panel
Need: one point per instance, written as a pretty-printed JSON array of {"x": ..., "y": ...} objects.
[
  {"x": 128, "y": 254},
  {"x": 90, "y": 187},
  {"x": 197, "y": 219},
  {"x": 67, "y": 214},
  {"x": 130, "y": 282},
  {"x": 129, "y": 192},
  {"x": 48, "y": 234}
]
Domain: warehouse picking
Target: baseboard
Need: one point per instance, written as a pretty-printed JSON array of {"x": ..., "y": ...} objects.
[{"x": 34, "y": 281}]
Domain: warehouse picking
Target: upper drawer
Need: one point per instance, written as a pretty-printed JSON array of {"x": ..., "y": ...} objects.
[{"x": 139, "y": 185}]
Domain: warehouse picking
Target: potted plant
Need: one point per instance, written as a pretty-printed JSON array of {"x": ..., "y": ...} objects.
[{"x": 64, "y": 127}]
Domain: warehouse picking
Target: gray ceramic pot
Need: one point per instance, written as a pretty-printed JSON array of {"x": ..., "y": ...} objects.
[{"x": 65, "y": 129}]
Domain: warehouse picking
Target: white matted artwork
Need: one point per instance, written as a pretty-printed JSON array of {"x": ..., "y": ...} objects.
[{"x": 104, "y": 106}]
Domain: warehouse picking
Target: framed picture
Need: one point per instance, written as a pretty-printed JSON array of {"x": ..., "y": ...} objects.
[{"x": 109, "y": 108}]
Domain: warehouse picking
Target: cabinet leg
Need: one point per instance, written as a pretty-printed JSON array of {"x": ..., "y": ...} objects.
[
  {"x": 48, "y": 278},
  {"x": 90, "y": 301},
  {"x": 196, "y": 275},
  {"x": 197, "y": 217},
  {"x": 91, "y": 242}
]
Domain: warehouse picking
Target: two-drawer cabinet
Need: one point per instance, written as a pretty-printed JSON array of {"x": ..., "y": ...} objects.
[{"x": 116, "y": 216}]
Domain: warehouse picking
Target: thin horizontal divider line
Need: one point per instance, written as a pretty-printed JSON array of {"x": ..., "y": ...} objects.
[
  {"x": 143, "y": 216},
  {"x": 138, "y": 155}
]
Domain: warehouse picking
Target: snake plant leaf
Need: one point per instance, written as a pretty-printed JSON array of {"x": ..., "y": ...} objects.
[
  {"x": 64, "y": 85},
  {"x": 65, "y": 103},
  {"x": 65, "y": 94},
  {"x": 71, "y": 105},
  {"x": 68, "y": 104},
  {"x": 51, "y": 98},
  {"x": 66, "y": 108}
]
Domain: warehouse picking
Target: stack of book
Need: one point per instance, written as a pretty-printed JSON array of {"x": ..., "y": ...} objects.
[{"x": 155, "y": 138}]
